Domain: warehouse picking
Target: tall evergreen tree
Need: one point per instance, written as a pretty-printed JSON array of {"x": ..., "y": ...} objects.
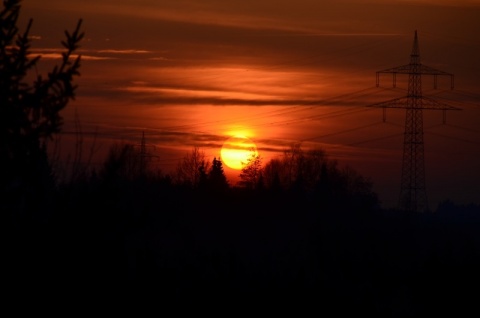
[
  {"x": 217, "y": 179},
  {"x": 30, "y": 112}
]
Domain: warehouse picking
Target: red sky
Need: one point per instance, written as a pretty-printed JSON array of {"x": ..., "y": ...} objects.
[{"x": 192, "y": 73}]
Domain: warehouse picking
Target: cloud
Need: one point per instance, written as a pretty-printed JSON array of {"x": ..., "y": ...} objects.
[
  {"x": 303, "y": 17},
  {"x": 162, "y": 96},
  {"x": 58, "y": 56},
  {"x": 447, "y": 3},
  {"x": 254, "y": 95},
  {"x": 193, "y": 94},
  {"x": 129, "y": 51},
  {"x": 88, "y": 54}
]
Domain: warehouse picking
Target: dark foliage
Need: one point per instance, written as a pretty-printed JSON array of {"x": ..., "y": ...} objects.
[
  {"x": 29, "y": 112},
  {"x": 251, "y": 175},
  {"x": 216, "y": 180},
  {"x": 155, "y": 242}
]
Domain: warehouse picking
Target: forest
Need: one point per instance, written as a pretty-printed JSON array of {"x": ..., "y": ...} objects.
[{"x": 302, "y": 232}]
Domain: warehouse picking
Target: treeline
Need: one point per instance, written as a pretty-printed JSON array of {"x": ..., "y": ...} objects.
[
  {"x": 300, "y": 230},
  {"x": 305, "y": 180}
]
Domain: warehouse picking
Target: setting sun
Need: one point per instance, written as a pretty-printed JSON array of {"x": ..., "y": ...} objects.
[{"x": 236, "y": 151}]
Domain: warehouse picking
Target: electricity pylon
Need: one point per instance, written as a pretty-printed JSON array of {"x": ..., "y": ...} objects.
[
  {"x": 413, "y": 194},
  {"x": 144, "y": 156}
]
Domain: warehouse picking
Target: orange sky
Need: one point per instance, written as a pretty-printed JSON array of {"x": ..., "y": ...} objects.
[{"x": 191, "y": 73}]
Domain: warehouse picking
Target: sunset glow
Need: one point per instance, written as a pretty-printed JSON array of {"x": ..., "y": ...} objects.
[
  {"x": 237, "y": 150},
  {"x": 189, "y": 73}
]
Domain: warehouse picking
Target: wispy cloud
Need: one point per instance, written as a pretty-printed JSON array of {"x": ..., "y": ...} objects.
[
  {"x": 35, "y": 37},
  {"x": 58, "y": 56},
  {"x": 129, "y": 51},
  {"x": 306, "y": 17},
  {"x": 197, "y": 94},
  {"x": 449, "y": 3},
  {"x": 88, "y": 54}
]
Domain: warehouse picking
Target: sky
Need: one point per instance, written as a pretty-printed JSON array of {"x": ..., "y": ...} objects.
[{"x": 193, "y": 73}]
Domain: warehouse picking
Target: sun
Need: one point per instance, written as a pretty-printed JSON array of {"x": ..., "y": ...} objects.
[{"x": 237, "y": 149}]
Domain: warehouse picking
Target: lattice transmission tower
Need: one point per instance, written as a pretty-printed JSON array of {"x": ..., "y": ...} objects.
[
  {"x": 413, "y": 194},
  {"x": 144, "y": 156}
]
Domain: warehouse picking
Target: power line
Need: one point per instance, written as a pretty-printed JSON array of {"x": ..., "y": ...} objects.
[{"x": 454, "y": 138}]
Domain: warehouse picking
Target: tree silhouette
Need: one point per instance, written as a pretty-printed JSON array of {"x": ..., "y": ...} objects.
[
  {"x": 202, "y": 177},
  {"x": 251, "y": 172},
  {"x": 123, "y": 162},
  {"x": 216, "y": 177},
  {"x": 297, "y": 170},
  {"x": 30, "y": 112},
  {"x": 312, "y": 174},
  {"x": 190, "y": 168}
]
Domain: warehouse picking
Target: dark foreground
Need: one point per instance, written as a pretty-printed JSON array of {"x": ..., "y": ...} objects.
[{"x": 241, "y": 251}]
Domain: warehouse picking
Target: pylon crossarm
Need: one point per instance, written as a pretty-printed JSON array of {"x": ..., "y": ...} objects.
[
  {"x": 404, "y": 69},
  {"x": 431, "y": 104},
  {"x": 419, "y": 69},
  {"x": 426, "y": 70},
  {"x": 422, "y": 103},
  {"x": 393, "y": 103},
  {"x": 408, "y": 69},
  {"x": 394, "y": 71}
]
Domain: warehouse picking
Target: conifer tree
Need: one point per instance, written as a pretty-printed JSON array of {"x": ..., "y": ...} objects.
[
  {"x": 30, "y": 111},
  {"x": 217, "y": 179}
]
